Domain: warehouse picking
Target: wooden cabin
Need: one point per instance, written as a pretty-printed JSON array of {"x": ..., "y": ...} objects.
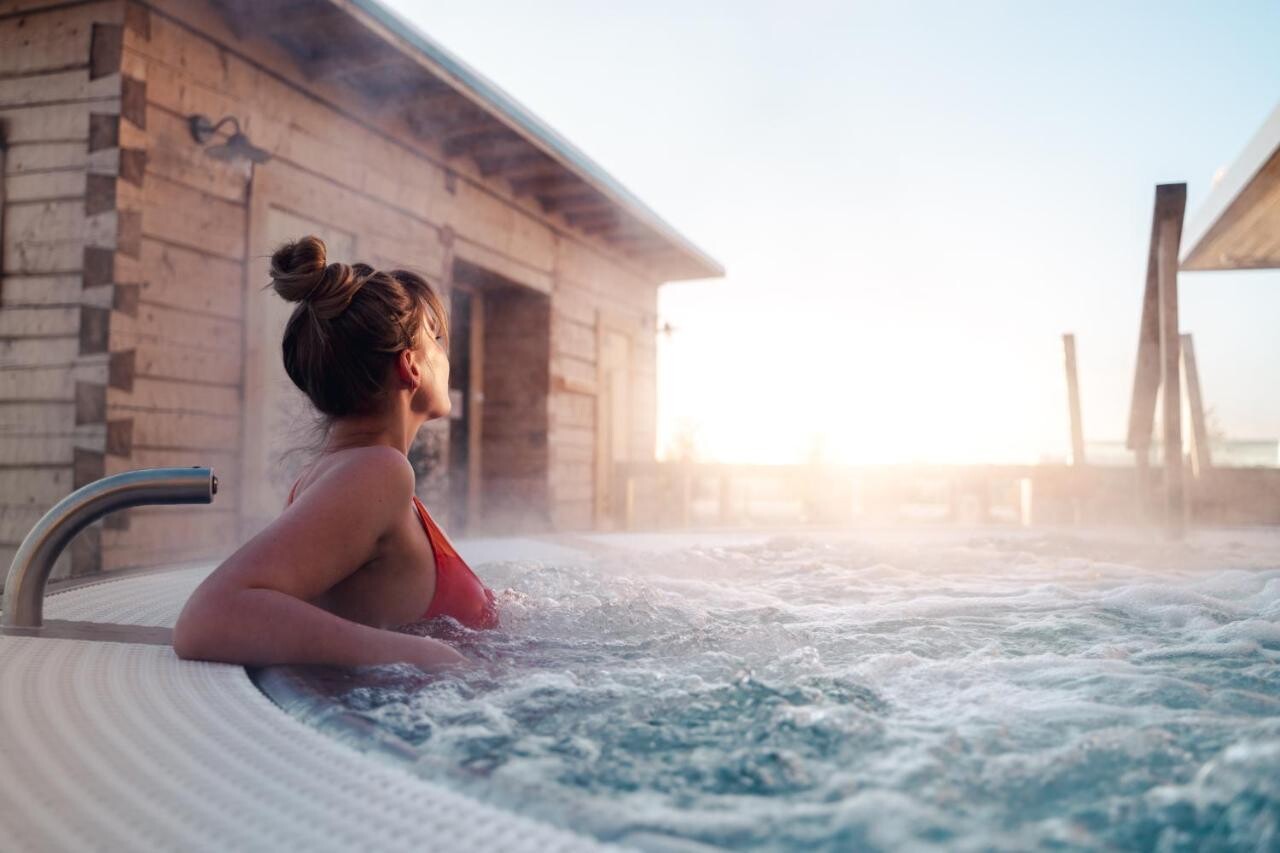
[{"x": 134, "y": 328}]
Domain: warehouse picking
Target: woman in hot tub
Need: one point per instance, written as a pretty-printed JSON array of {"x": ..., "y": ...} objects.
[{"x": 354, "y": 554}]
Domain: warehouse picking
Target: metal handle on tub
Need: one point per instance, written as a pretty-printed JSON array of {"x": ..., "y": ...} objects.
[{"x": 23, "y": 610}]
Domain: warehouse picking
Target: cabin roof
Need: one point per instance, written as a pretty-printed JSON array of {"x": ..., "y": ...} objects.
[
  {"x": 1238, "y": 226},
  {"x": 442, "y": 98}
]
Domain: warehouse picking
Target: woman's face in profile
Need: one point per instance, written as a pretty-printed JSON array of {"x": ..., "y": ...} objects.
[{"x": 434, "y": 390}]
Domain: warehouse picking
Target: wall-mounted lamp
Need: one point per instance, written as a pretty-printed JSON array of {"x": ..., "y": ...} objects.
[{"x": 237, "y": 144}]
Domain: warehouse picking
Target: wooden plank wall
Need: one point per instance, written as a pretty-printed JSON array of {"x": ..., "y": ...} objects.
[
  {"x": 174, "y": 390},
  {"x": 587, "y": 286},
  {"x": 60, "y": 105}
]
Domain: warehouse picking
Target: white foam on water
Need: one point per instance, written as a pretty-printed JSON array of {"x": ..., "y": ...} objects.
[{"x": 970, "y": 691}]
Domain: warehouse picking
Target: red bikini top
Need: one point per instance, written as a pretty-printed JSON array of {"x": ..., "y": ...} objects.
[{"x": 459, "y": 593}]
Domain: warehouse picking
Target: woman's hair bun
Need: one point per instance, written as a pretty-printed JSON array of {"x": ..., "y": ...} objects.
[
  {"x": 342, "y": 362},
  {"x": 300, "y": 273}
]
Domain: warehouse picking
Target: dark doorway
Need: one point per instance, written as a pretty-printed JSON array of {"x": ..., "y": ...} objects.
[{"x": 499, "y": 379}]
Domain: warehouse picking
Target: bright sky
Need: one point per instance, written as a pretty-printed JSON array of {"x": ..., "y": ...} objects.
[{"x": 914, "y": 200}]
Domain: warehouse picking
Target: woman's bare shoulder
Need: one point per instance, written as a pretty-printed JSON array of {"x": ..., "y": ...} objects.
[
  {"x": 382, "y": 467},
  {"x": 329, "y": 531}
]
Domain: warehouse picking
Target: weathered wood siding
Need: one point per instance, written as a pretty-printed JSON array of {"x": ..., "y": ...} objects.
[
  {"x": 591, "y": 288},
  {"x": 60, "y": 106},
  {"x": 176, "y": 342},
  {"x": 128, "y": 253}
]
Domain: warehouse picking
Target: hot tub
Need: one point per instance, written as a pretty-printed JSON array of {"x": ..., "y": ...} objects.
[{"x": 871, "y": 690}]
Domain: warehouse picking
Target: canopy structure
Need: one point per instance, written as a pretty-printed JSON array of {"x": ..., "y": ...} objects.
[{"x": 1238, "y": 227}]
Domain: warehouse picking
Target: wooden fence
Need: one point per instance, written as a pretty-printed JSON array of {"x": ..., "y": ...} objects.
[{"x": 656, "y": 495}]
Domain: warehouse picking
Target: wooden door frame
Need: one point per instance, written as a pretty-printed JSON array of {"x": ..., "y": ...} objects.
[
  {"x": 606, "y": 321},
  {"x": 475, "y": 392},
  {"x": 264, "y": 188}
]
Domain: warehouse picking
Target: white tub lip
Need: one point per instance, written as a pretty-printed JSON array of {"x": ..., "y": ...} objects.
[{"x": 78, "y": 714}]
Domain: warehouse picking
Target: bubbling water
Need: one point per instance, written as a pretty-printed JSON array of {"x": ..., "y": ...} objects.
[{"x": 992, "y": 692}]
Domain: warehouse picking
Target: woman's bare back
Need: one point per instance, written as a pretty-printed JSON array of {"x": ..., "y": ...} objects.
[{"x": 396, "y": 584}]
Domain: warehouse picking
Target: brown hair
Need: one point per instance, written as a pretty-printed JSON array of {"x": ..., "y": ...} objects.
[{"x": 350, "y": 324}]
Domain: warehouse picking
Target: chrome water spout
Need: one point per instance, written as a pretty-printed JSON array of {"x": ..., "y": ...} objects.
[{"x": 23, "y": 611}]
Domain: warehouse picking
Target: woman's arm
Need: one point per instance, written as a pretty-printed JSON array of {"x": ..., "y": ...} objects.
[
  {"x": 257, "y": 627},
  {"x": 255, "y": 608}
]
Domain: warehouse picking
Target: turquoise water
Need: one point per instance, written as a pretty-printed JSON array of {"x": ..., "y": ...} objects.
[{"x": 980, "y": 693}]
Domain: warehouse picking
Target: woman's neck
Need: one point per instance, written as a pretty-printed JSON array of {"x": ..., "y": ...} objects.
[{"x": 395, "y": 430}]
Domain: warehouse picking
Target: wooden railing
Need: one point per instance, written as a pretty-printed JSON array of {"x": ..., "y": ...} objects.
[{"x": 659, "y": 495}]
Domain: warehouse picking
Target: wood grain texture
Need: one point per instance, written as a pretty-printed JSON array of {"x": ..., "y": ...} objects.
[{"x": 1171, "y": 202}]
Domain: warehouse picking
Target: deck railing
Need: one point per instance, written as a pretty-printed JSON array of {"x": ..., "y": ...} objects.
[{"x": 650, "y": 495}]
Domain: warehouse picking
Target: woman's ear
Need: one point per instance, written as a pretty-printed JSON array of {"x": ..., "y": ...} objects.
[{"x": 407, "y": 368}]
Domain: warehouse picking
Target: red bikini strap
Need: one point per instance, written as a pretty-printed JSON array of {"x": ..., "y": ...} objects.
[
  {"x": 294, "y": 489},
  {"x": 439, "y": 542}
]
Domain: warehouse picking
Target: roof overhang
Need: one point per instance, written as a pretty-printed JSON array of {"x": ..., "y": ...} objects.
[
  {"x": 443, "y": 99},
  {"x": 1238, "y": 226}
]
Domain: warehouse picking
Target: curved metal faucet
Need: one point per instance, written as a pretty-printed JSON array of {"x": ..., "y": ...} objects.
[{"x": 23, "y": 611}]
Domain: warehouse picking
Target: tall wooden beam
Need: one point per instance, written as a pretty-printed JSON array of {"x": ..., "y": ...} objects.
[
  {"x": 1171, "y": 202},
  {"x": 1073, "y": 401},
  {"x": 1146, "y": 379},
  {"x": 475, "y": 412},
  {"x": 1201, "y": 459},
  {"x": 4, "y": 150}
]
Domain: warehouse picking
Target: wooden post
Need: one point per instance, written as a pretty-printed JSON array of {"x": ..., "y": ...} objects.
[
  {"x": 604, "y": 456},
  {"x": 1151, "y": 364},
  {"x": 1146, "y": 378},
  {"x": 1201, "y": 459},
  {"x": 475, "y": 415},
  {"x": 4, "y": 149},
  {"x": 1073, "y": 401},
  {"x": 1170, "y": 212},
  {"x": 1074, "y": 480}
]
